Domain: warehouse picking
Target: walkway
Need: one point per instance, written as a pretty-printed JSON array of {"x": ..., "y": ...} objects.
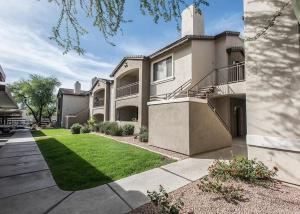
[{"x": 27, "y": 186}]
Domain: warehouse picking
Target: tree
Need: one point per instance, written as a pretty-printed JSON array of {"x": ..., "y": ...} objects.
[
  {"x": 50, "y": 109},
  {"x": 36, "y": 94},
  {"x": 107, "y": 16}
]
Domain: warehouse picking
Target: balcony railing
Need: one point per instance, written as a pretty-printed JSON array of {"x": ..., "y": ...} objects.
[
  {"x": 128, "y": 90},
  {"x": 231, "y": 74},
  {"x": 98, "y": 102}
]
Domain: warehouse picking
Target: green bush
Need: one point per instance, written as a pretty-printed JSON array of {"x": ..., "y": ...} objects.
[
  {"x": 143, "y": 134},
  {"x": 91, "y": 123},
  {"x": 97, "y": 127},
  {"x": 161, "y": 200},
  {"x": 85, "y": 129},
  {"x": 75, "y": 128},
  {"x": 128, "y": 129},
  {"x": 241, "y": 168},
  {"x": 116, "y": 130},
  {"x": 108, "y": 126}
]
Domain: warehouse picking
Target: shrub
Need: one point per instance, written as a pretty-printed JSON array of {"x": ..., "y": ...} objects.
[
  {"x": 230, "y": 192},
  {"x": 143, "y": 134},
  {"x": 85, "y": 129},
  {"x": 116, "y": 130},
  {"x": 108, "y": 126},
  {"x": 241, "y": 168},
  {"x": 161, "y": 200},
  {"x": 128, "y": 129},
  {"x": 75, "y": 128},
  {"x": 91, "y": 123},
  {"x": 98, "y": 127}
]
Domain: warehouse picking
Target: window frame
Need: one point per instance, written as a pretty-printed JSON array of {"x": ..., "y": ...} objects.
[{"x": 172, "y": 69}]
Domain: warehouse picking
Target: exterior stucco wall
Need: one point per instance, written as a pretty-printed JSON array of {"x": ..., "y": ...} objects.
[
  {"x": 203, "y": 59},
  {"x": 187, "y": 127},
  {"x": 112, "y": 102},
  {"x": 182, "y": 70},
  {"x": 273, "y": 86},
  {"x": 73, "y": 105},
  {"x": 105, "y": 110},
  {"x": 140, "y": 100},
  {"x": 207, "y": 133}
]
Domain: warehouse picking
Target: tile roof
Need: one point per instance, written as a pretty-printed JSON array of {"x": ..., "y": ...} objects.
[{"x": 68, "y": 91}]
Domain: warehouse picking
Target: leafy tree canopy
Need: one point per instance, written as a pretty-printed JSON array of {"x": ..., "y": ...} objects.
[{"x": 36, "y": 93}]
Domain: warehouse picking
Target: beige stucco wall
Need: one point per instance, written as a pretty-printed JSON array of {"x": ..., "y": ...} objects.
[
  {"x": 190, "y": 127},
  {"x": 273, "y": 85},
  {"x": 140, "y": 100},
  {"x": 105, "y": 110},
  {"x": 182, "y": 70},
  {"x": 72, "y": 105},
  {"x": 203, "y": 58}
]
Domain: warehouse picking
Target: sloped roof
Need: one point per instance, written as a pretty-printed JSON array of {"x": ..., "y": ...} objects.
[
  {"x": 175, "y": 44},
  {"x": 68, "y": 91},
  {"x": 102, "y": 80},
  {"x": 137, "y": 57},
  {"x": 188, "y": 38}
]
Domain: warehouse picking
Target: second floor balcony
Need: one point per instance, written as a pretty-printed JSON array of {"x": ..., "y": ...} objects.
[
  {"x": 127, "y": 90},
  {"x": 98, "y": 102}
]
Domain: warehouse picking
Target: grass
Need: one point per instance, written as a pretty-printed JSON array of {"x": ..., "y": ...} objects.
[
  {"x": 50, "y": 132},
  {"x": 86, "y": 160}
]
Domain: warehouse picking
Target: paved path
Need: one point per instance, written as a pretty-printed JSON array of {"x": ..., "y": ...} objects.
[{"x": 27, "y": 186}]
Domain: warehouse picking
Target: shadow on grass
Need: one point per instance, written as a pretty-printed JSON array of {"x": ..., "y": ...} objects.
[
  {"x": 70, "y": 171},
  {"x": 37, "y": 133}
]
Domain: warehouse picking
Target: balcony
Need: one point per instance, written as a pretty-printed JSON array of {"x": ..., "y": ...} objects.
[
  {"x": 98, "y": 102},
  {"x": 127, "y": 90}
]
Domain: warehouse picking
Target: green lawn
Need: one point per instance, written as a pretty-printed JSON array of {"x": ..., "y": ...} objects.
[
  {"x": 50, "y": 132},
  {"x": 87, "y": 160}
]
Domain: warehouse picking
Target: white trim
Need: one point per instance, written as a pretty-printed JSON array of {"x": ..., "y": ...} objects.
[
  {"x": 172, "y": 77},
  {"x": 274, "y": 142},
  {"x": 177, "y": 100}
]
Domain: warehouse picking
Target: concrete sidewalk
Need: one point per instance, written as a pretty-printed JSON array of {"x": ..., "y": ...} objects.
[{"x": 27, "y": 186}]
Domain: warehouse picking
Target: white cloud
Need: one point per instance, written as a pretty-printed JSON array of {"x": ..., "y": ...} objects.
[
  {"x": 231, "y": 22},
  {"x": 26, "y": 49}
]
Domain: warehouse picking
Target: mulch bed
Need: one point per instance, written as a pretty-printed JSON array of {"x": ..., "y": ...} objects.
[{"x": 277, "y": 199}]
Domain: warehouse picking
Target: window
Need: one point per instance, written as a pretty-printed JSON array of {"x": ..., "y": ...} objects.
[{"x": 162, "y": 69}]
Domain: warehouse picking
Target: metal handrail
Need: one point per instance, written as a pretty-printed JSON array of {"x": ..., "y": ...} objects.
[
  {"x": 179, "y": 89},
  {"x": 127, "y": 90},
  {"x": 213, "y": 108}
]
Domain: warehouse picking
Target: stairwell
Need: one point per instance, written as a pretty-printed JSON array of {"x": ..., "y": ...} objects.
[{"x": 186, "y": 121}]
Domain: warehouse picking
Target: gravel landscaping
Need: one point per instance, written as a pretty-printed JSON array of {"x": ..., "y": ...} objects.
[{"x": 278, "y": 199}]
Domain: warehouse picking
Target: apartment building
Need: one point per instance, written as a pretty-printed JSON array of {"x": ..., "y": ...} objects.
[
  {"x": 72, "y": 106},
  {"x": 197, "y": 90},
  {"x": 100, "y": 94}
]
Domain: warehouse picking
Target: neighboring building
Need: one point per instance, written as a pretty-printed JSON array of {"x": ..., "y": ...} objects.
[
  {"x": 273, "y": 88},
  {"x": 72, "y": 106},
  {"x": 100, "y": 99},
  {"x": 197, "y": 90},
  {"x": 130, "y": 91},
  {"x": 9, "y": 110}
]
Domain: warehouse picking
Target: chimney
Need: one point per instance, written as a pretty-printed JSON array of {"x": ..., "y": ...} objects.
[
  {"x": 192, "y": 22},
  {"x": 77, "y": 87}
]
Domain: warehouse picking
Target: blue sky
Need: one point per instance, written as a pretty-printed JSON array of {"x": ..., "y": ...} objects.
[{"x": 25, "y": 47}]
